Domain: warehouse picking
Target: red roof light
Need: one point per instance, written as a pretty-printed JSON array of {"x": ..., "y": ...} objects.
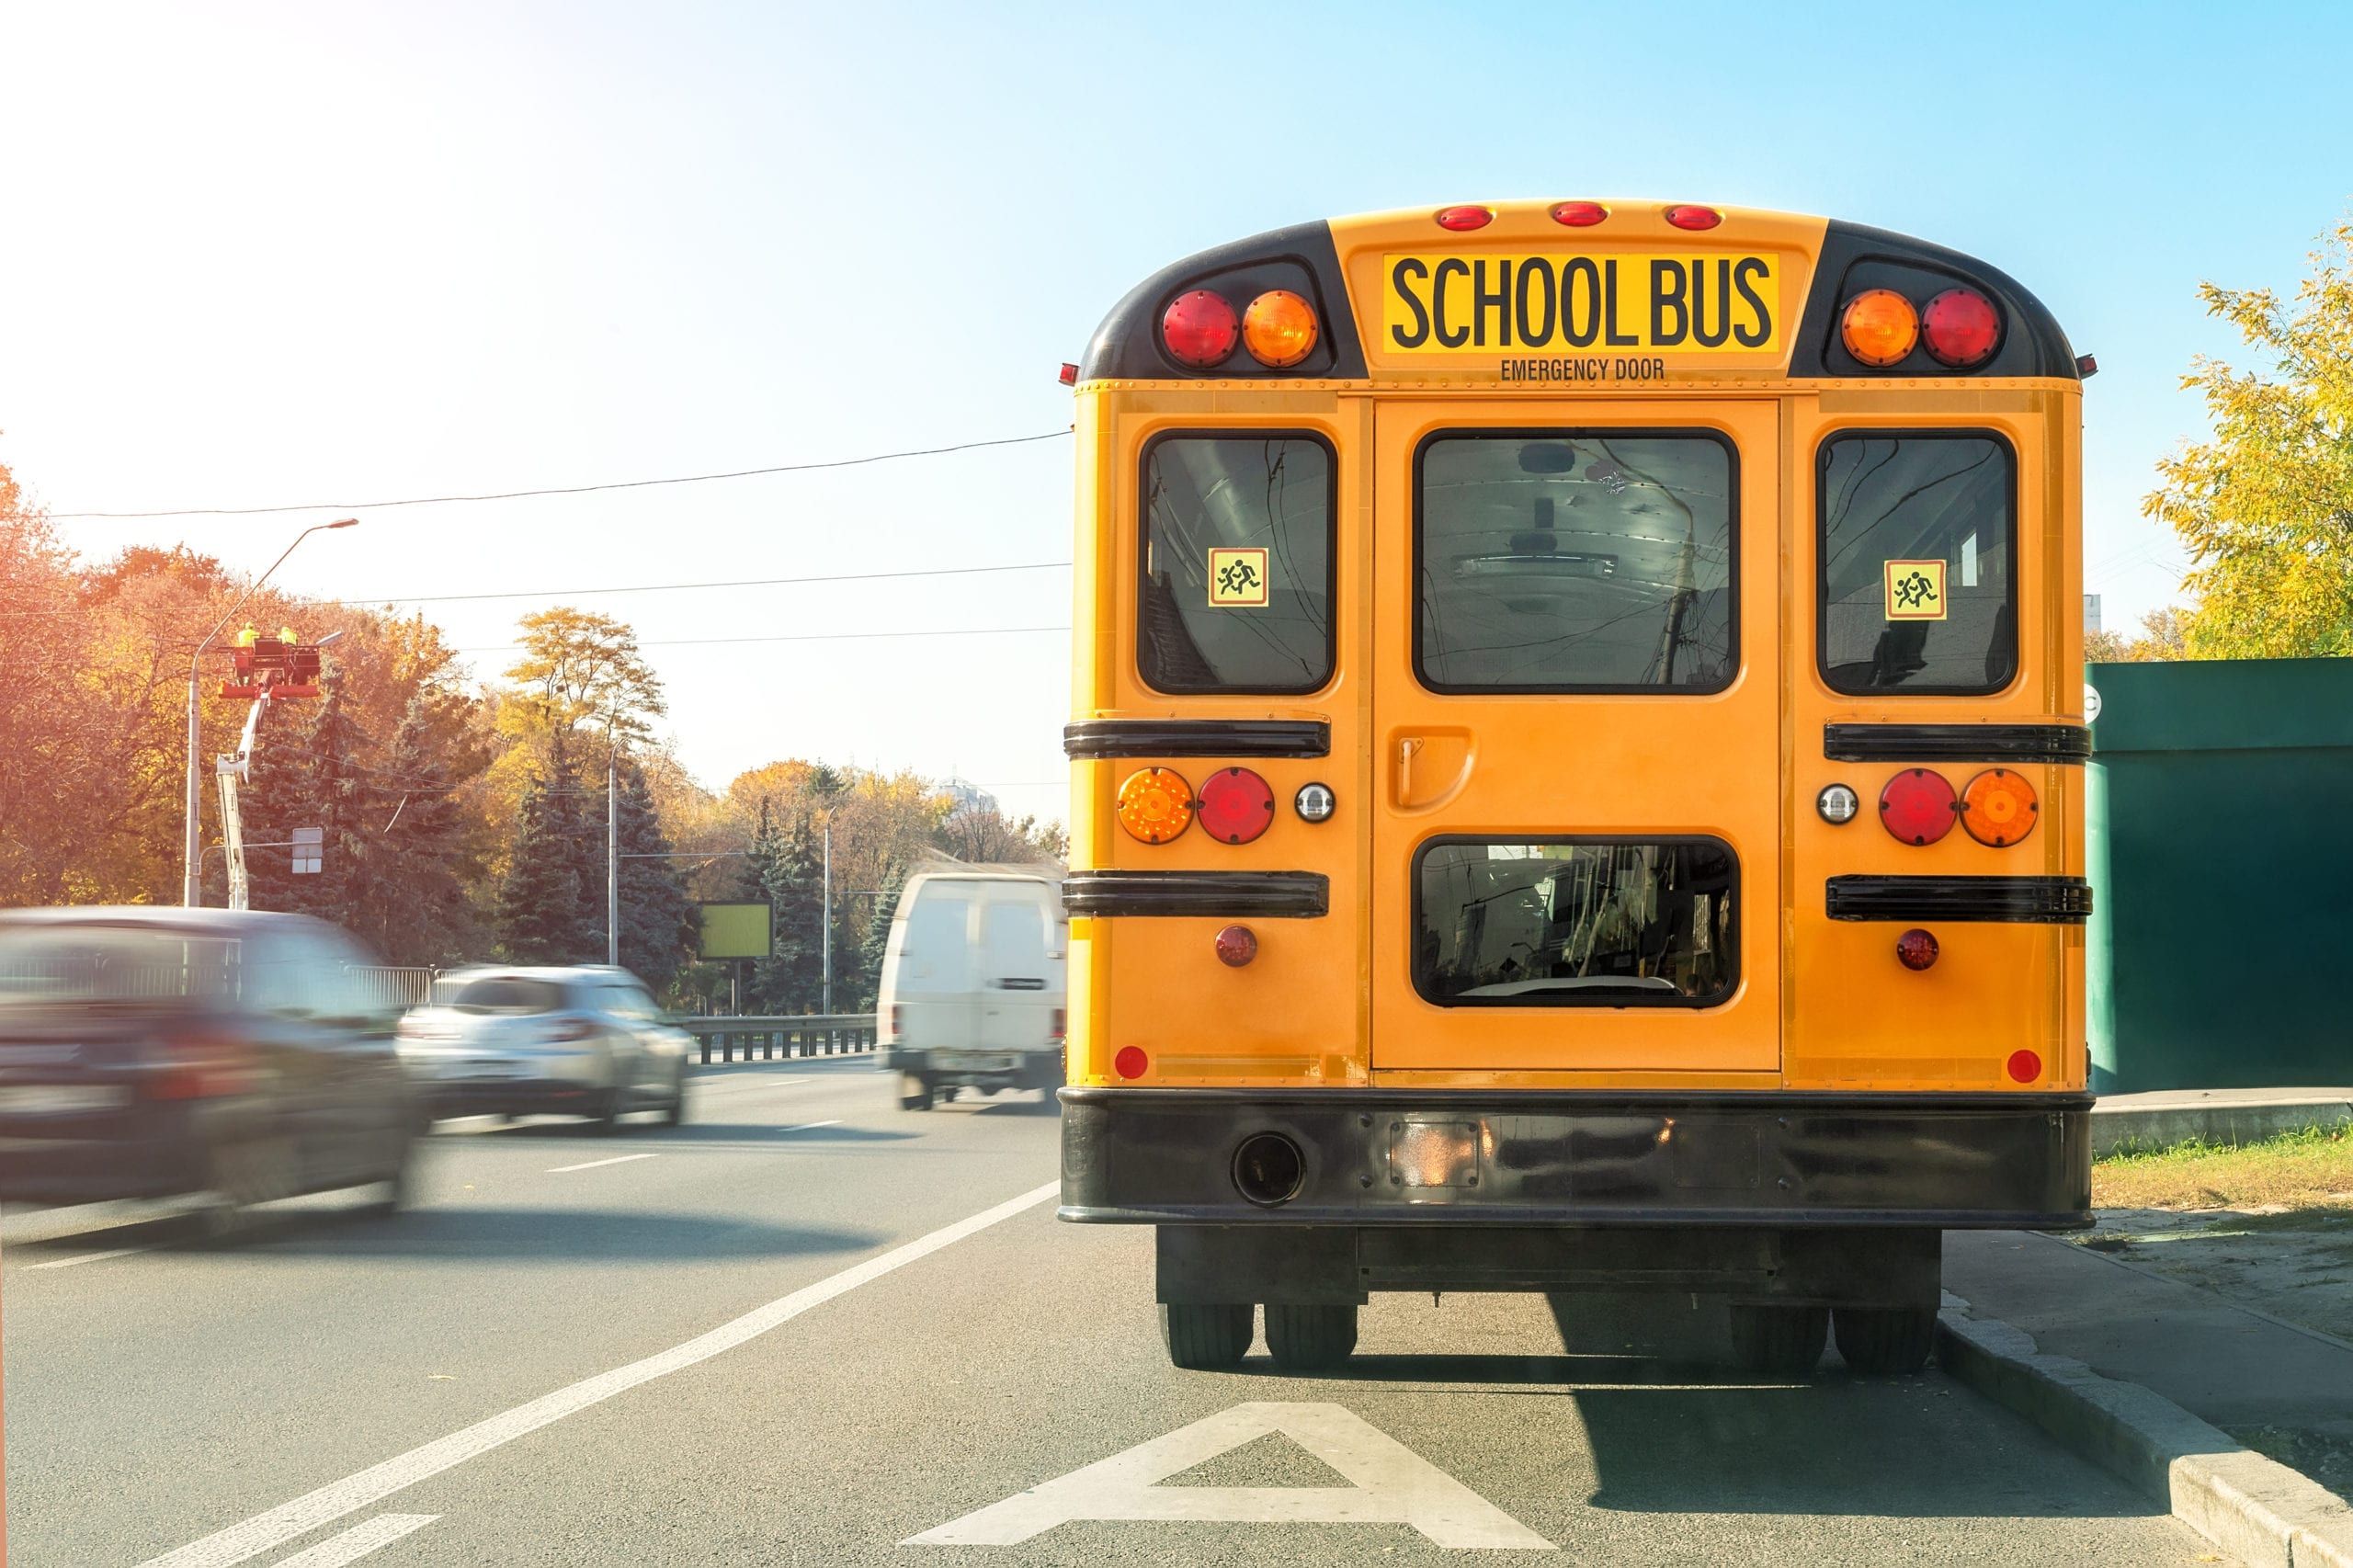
[
  {"x": 1460, "y": 218},
  {"x": 1578, "y": 214},
  {"x": 1687, "y": 216}
]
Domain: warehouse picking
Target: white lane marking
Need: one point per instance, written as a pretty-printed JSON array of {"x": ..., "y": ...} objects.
[
  {"x": 359, "y": 1541},
  {"x": 1393, "y": 1486},
  {"x": 88, "y": 1257},
  {"x": 263, "y": 1531},
  {"x": 592, "y": 1164},
  {"x": 810, "y": 1126}
]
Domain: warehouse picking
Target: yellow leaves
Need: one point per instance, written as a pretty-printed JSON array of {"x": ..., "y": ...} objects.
[{"x": 2265, "y": 504}]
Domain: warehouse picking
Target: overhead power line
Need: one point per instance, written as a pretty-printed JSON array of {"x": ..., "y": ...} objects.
[
  {"x": 676, "y": 587},
  {"x": 562, "y": 489},
  {"x": 801, "y": 637}
]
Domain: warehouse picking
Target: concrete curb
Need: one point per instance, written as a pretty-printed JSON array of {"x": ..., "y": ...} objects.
[
  {"x": 2191, "y": 1118},
  {"x": 2256, "y": 1509}
]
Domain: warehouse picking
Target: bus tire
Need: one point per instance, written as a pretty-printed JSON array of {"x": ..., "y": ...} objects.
[
  {"x": 1205, "y": 1338},
  {"x": 1885, "y": 1340},
  {"x": 1309, "y": 1338},
  {"x": 1779, "y": 1340}
]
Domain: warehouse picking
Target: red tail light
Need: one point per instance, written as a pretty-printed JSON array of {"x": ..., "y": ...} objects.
[
  {"x": 1201, "y": 329},
  {"x": 1916, "y": 949},
  {"x": 562, "y": 1030},
  {"x": 1054, "y": 1032},
  {"x": 1918, "y": 806},
  {"x": 203, "y": 1067},
  {"x": 1961, "y": 328},
  {"x": 1236, "y": 805},
  {"x": 899, "y": 1020}
]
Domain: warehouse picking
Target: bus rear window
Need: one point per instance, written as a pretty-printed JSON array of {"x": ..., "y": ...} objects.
[
  {"x": 1569, "y": 562},
  {"x": 1237, "y": 563},
  {"x": 1577, "y": 923},
  {"x": 1918, "y": 591}
]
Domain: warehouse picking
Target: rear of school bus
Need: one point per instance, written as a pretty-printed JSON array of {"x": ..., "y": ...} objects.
[{"x": 1577, "y": 772}]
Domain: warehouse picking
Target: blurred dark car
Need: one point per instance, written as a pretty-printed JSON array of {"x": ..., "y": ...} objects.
[
  {"x": 578, "y": 1041},
  {"x": 166, "y": 1052}
]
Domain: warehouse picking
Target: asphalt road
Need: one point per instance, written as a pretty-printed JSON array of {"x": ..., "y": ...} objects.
[{"x": 809, "y": 1327}]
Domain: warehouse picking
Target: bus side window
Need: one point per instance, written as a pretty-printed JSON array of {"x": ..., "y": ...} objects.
[{"x": 1918, "y": 593}]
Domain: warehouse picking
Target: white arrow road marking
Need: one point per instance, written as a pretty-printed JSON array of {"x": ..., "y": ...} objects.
[
  {"x": 359, "y": 1541},
  {"x": 1393, "y": 1486},
  {"x": 304, "y": 1514},
  {"x": 592, "y": 1164}
]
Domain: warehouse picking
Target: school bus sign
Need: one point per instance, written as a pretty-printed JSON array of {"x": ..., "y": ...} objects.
[{"x": 1574, "y": 303}]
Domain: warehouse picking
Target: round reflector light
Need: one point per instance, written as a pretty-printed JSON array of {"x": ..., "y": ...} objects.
[
  {"x": 1278, "y": 328},
  {"x": 1918, "y": 806},
  {"x": 1961, "y": 328},
  {"x": 1465, "y": 217},
  {"x": 1155, "y": 804},
  {"x": 1880, "y": 327},
  {"x": 1578, "y": 214},
  {"x": 1237, "y": 945},
  {"x": 1689, "y": 217},
  {"x": 1236, "y": 805},
  {"x": 1201, "y": 329},
  {"x": 2024, "y": 1066},
  {"x": 1999, "y": 808},
  {"x": 1916, "y": 949},
  {"x": 1315, "y": 803},
  {"x": 1838, "y": 803},
  {"x": 1131, "y": 1062}
]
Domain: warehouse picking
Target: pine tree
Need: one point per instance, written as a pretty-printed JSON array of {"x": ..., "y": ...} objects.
[
  {"x": 427, "y": 917},
  {"x": 349, "y": 887},
  {"x": 539, "y": 908},
  {"x": 877, "y": 941},
  {"x": 658, "y": 920},
  {"x": 273, "y": 799},
  {"x": 791, "y": 980}
]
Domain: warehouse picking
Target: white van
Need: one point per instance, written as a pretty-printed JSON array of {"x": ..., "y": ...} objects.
[{"x": 972, "y": 989}]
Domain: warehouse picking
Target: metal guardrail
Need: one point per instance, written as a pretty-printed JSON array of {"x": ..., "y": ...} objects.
[
  {"x": 775, "y": 1038},
  {"x": 396, "y": 985}
]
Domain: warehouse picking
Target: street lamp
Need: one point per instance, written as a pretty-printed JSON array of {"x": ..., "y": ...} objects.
[{"x": 192, "y": 886}]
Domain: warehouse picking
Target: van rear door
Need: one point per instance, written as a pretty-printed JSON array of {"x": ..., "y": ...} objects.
[
  {"x": 1017, "y": 978},
  {"x": 935, "y": 979}
]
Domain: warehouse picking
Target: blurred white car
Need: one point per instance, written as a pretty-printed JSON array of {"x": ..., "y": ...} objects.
[{"x": 522, "y": 1042}]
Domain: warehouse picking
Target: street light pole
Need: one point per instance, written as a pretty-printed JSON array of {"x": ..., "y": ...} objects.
[
  {"x": 826, "y": 900},
  {"x": 192, "y": 883}
]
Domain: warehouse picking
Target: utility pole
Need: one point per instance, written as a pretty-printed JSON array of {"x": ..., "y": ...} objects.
[
  {"x": 612, "y": 845},
  {"x": 192, "y": 882},
  {"x": 825, "y": 910}
]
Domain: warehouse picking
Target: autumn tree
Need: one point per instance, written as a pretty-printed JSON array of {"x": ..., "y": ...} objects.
[
  {"x": 2265, "y": 504},
  {"x": 2165, "y": 635},
  {"x": 579, "y": 668}
]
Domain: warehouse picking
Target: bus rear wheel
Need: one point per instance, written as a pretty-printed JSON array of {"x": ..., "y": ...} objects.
[
  {"x": 1885, "y": 1340},
  {"x": 1778, "y": 1340},
  {"x": 1309, "y": 1338},
  {"x": 1205, "y": 1338}
]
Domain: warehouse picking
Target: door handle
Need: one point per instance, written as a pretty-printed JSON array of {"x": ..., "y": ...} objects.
[
  {"x": 1433, "y": 766},
  {"x": 1406, "y": 746}
]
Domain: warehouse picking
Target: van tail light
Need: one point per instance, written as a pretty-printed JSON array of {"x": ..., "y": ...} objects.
[
  {"x": 561, "y": 1031},
  {"x": 899, "y": 1020},
  {"x": 1054, "y": 1030},
  {"x": 198, "y": 1066}
]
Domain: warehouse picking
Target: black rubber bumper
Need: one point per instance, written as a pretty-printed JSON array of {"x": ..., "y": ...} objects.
[{"x": 1403, "y": 1157}]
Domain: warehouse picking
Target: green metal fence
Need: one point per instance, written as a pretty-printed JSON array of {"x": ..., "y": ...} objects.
[{"x": 2218, "y": 835}]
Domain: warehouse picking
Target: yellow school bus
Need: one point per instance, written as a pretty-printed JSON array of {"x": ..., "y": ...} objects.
[{"x": 1577, "y": 772}]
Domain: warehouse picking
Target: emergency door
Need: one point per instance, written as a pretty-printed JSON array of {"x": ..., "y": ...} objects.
[{"x": 1576, "y": 651}]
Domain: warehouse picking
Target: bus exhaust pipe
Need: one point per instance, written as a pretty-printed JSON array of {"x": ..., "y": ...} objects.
[{"x": 1268, "y": 1169}]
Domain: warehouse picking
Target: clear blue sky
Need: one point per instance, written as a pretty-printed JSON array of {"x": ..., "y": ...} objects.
[{"x": 262, "y": 253}]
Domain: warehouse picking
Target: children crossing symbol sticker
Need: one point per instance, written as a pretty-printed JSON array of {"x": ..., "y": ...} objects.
[
  {"x": 1916, "y": 590},
  {"x": 1237, "y": 577}
]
